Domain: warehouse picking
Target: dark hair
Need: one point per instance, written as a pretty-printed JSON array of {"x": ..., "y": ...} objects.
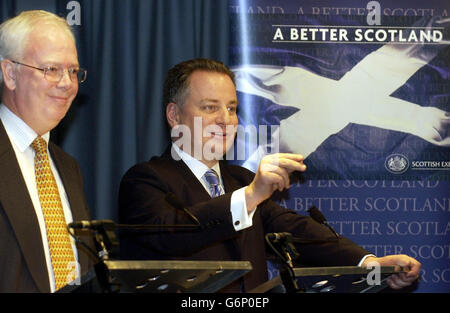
[{"x": 176, "y": 84}]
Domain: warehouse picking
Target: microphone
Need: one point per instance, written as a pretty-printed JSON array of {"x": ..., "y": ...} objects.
[
  {"x": 320, "y": 218},
  {"x": 284, "y": 240},
  {"x": 279, "y": 237},
  {"x": 93, "y": 224},
  {"x": 110, "y": 225},
  {"x": 176, "y": 203},
  {"x": 317, "y": 215}
]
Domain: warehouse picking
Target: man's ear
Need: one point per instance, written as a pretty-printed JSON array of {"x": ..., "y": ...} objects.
[
  {"x": 172, "y": 114},
  {"x": 9, "y": 74}
]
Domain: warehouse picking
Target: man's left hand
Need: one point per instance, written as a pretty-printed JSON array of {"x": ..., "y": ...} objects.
[{"x": 397, "y": 281}]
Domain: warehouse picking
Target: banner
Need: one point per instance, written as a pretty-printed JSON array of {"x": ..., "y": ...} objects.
[{"x": 362, "y": 90}]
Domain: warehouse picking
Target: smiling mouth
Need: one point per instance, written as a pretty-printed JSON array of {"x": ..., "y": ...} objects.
[
  {"x": 59, "y": 99},
  {"x": 219, "y": 135}
]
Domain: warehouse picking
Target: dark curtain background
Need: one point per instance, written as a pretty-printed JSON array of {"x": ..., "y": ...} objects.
[{"x": 127, "y": 47}]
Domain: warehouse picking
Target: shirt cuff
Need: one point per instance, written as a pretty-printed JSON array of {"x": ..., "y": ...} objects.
[
  {"x": 241, "y": 219},
  {"x": 364, "y": 258}
]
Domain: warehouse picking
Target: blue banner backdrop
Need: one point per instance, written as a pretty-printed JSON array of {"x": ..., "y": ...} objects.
[{"x": 362, "y": 91}]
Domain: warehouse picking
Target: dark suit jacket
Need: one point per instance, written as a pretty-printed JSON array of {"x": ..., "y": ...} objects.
[
  {"x": 22, "y": 261},
  {"x": 142, "y": 200}
]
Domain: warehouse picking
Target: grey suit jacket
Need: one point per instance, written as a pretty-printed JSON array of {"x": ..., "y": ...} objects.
[{"x": 22, "y": 261}]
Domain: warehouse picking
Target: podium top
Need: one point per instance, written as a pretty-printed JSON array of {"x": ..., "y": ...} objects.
[
  {"x": 341, "y": 270},
  {"x": 176, "y": 276},
  {"x": 340, "y": 279}
]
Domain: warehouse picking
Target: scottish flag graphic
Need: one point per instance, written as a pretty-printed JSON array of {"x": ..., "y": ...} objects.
[{"x": 364, "y": 94}]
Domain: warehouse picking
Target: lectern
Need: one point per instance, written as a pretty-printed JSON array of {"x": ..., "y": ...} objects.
[
  {"x": 339, "y": 279},
  {"x": 159, "y": 276},
  {"x": 111, "y": 275},
  {"x": 175, "y": 276}
]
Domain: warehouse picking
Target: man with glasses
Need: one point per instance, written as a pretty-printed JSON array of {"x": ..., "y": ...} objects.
[{"x": 41, "y": 188}]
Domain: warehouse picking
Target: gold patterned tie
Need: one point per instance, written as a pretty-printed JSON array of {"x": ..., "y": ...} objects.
[{"x": 61, "y": 253}]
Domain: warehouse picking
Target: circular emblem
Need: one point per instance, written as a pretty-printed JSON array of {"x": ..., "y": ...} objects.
[{"x": 396, "y": 163}]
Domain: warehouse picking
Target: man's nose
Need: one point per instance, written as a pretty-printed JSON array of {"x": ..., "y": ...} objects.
[
  {"x": 223, "y": 116},
  {"x": 65, "y": 81}
]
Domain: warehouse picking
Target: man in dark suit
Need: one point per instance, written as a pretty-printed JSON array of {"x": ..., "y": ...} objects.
[
  {"x": 231, "y": 204},
  {"x": 40, "y": 77}
]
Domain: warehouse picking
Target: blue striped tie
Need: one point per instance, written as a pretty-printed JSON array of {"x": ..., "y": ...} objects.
[{"x": 215, "y": 189}]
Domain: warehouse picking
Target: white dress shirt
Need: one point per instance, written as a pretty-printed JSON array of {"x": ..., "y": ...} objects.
[
  {"x": 21, "y": 136},
  {"x": 238, "y": 208}
]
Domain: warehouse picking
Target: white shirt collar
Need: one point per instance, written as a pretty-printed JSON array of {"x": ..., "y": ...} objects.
[
  {"x": 18, "y": 131},
  {"x": 198, "y": 168}
]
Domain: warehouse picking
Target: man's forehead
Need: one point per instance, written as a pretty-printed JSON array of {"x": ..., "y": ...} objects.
[
  {"x": 211, "y": 100},
  {"x": 202, "y": 76},
  {"x": 213, "y": 80},
  {"x": 48, "y": 42}
]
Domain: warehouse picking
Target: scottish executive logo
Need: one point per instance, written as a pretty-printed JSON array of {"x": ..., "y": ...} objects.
[{"x": 396, "y": 163}]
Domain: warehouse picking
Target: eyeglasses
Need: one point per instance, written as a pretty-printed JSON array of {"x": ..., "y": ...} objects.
[{"x": 54, "y": 74}]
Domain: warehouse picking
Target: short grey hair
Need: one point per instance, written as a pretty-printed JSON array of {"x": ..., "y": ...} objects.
[{"x": 14, "y": 32}]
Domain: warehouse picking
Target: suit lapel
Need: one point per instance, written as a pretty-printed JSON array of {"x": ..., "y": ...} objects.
[
  {"x": 18, "y": 206},
  {"x": 230, "y": 184},
  {"x": 194, "y": 190},
  {"x": 75, "y": 194},
  {"x": 71, "y": 185}
]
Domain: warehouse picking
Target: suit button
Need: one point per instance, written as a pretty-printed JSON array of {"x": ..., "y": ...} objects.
[{"x": 237, "y": 223}]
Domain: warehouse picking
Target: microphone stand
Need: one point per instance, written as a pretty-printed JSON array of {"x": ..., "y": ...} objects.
[
  {"x": 106, "y": 242},
  {"x": 287, "y": 255}
]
